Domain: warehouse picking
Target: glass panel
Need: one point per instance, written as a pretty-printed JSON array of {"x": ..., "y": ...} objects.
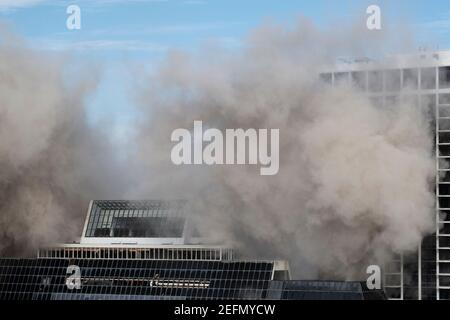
[
  {"x": 410, "y": 78},
  {"x": 444, "y": 98},
  {"x": 444, "y": 77},
  {"x": 375, "y": 81},
  {"x": 428, "y": 78},
  {"x": 341, "y": 78},
  {"x": 392, "y": 80},
  {"x": 359, "y": 80},
  {"x": 326, "y": 78}
]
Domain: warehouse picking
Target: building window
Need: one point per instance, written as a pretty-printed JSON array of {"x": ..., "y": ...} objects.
[
  {"x": 359, "y": 80},
  {"x": 341, "y": 78},
  {"x": 392, "y": 80},
  {"x": 444, "y": 77},
  {"x": 375, "y": 81},
  {"x": 444, "y": 98},
  {"x": 412, "y": 100},
  {"x": 428, "y": 79},
  {"x": 391, "y": 100},
  {"x": 428, "y": 104},
  {"x": 410, "y": 78},
  {"x": 326, "y": 78}
]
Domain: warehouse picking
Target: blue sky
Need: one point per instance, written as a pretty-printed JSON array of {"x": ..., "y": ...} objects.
[
  {"x": 149, "y": 27},
  {"x": 117, "y": 32}
]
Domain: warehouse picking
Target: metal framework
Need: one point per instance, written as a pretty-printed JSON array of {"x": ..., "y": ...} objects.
[
  {"x": 139, "y": 219},
  {"x": 116, "y": 279},
  {"x": 203, "y": 253},
  {"x": 138, "y": 222}
]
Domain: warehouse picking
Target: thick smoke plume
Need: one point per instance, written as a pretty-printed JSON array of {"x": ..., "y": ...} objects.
[
  {"x": 52, "y": 161},
  {"x": 355, "y": 180}
]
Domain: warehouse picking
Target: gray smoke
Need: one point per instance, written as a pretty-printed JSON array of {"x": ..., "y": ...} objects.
[
  {"x": 355, "y": 180},
  {"x": 52, "y": 161}
]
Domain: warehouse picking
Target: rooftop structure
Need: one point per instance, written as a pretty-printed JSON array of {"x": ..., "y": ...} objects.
[
  {"x": 150, "y": 222},
  {"x": 142, "y": 250}
]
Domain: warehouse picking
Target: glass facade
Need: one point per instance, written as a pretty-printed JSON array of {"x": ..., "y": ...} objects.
[
  {"x": 136, "y": 219},
  {"x": 328, "y": 290},
  {"x": 46, "y": 279}
]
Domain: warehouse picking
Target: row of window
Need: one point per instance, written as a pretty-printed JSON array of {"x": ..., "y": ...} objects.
[
  {"x": 108, "y": 285},
  {"x": 393, "y": 80},
  {"x": 427, "y": 102},
  {"x": 128, "y": 292},
  {"x": 10, "y": 271},
  {"x": 139, "y": 204},
  {"x": 242, "y": 293},
  {"x": 138, "y": 253},
  {"x": 8, "y": 277},
  {"x": 135, "y": 223},
  {"x": 138, "y": 264}
]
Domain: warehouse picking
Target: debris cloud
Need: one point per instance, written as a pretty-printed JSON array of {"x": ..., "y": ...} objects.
[{"x": 355, "y": 179}]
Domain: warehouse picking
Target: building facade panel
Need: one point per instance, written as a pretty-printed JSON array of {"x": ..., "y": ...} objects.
[{"x": 422, "y": 80}]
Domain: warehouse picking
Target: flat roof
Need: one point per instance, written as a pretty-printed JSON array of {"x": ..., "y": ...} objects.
[{"x": 420, "y": 59}]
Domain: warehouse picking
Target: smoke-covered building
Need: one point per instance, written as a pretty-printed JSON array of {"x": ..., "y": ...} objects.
[
  {"x": 145, "y": 250},
  {"x": 423, "y": 80}
]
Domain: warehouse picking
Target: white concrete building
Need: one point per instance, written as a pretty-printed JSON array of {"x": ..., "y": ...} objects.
[{"x": 423, "y": 79}]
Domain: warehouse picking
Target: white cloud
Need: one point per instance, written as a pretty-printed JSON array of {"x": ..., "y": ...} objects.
[
  {"x": 126, "y": 1},
  {"x": 101, "y": 3},
  {"x": 195, "y": 2},
  {"x": 6, "y": 5},
  {"x": 129, "y": 45},
  {"x": 145, "y": 30},
  {"x": 96, "y": 45}
]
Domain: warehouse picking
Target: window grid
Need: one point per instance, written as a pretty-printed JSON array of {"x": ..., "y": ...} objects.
[
  {"x": 162, "y": 279},
  {"x": 136, "y": 219}
]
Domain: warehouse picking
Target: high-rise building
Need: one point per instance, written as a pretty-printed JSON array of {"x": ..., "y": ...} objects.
[
  {"x": 145, "y": 250},
  {"x": 422, "y": 79}
]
